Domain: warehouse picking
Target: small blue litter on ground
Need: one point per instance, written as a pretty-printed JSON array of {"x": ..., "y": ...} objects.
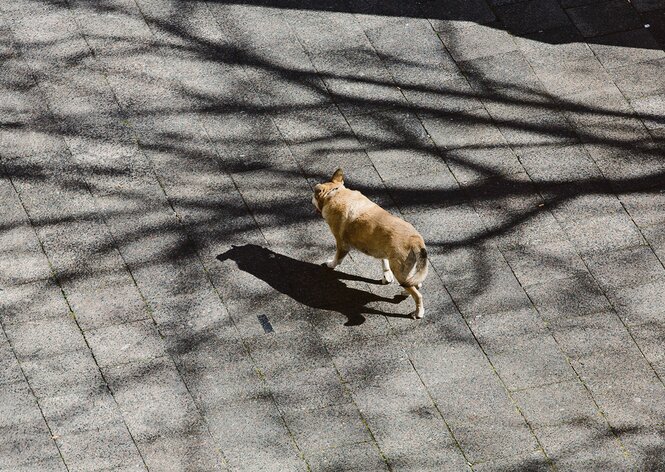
[{"x": 267, "y": 327}]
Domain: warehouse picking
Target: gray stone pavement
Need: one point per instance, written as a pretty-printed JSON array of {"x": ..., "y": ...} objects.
[{"x": 161, "y": 303}]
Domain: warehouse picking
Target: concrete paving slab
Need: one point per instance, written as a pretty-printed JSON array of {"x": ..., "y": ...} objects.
[
  {"x": 596, "y": 334},
  {"x": 45, "y": 301},
  {"x": 646, "y": 338},
  {"x": 625, "y": 268},
  {"x": 647, "y": 82},
  {"x": 476, "y": 395},
  {"x": 307, "y": 130},
  {"x": 471, "y": 128},
  {"x": 414, "y": 435},
  {"x": 20, "y": 242},
  {"x": 309, "y": 389},
  {"x": 604, "y": 18},
  {"x": 77, "y": 412},
  {"x": 638, "y": 305},
  {"x": 558, "y": 404},
  {"x": 566, "y": 298},
  {"x": 467, "y": 40},
  {"x": 45, "y": 338},
  {"x": 74, "y": 371},
  {"x": 536, "y": 461},
  {"x": 23, "y": 450},
  {"x": 213, "y": 385},
  {"x": 648, "y": 5},
  {"x": 107, "y": 449},
  {"x": 19, "y": 406},
  {"x": 347, "y": 458},
  {"x": 626, "y": 401},
  {"x": 243, "y": 425},
  {"x": 194, "y": 451},
  {"x": 124, "y": 343},
  {"x": 10, "y": 371},
  {"x": 170, "y": 409},
  {"x": 531, "y": 362},
  {"x": 642, "y": 445},
  {"x": 472, "y": 165},
  {"x": 505, "y": 79},
  {"x": 655, "y": 21},
  {"x": 637, "y": 46},
  {"x": 643, "y": 216},
  {"x": 555, "y": 45},
  {"x": 485, "y": 437},
  {"x": 474, "y": 10},
  {"x": 650, "y": 109},
  {"x": 562, "y": 444},
  {"x": 540, "y": 263},
  {"x": 335, "y": 426},
  {"x": 532, "y": 16}
]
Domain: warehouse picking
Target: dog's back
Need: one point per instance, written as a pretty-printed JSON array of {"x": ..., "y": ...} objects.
[{"x": 357, "y": 221}]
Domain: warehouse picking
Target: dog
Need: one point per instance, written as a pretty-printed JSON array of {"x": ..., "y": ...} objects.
[{"x": 357, "y": 222}]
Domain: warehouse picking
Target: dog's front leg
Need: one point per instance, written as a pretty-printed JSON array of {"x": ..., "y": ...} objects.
[{"x": 340, "y": 254}]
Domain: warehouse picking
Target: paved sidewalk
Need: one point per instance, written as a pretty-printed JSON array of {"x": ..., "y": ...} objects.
[{"x": 162, "y": 306}]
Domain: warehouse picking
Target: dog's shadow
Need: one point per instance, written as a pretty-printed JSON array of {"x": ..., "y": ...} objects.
[{"x": 313, "y": 285}]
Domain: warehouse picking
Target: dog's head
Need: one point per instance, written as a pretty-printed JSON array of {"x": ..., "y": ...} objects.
[{"x": 322, "y": 192}]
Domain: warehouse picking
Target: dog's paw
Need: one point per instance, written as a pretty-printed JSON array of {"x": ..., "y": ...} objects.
[
  {"x": 330, "y": 263},
  {"x": 417, "y": 315},
  {"x": 388, "y": 278}
]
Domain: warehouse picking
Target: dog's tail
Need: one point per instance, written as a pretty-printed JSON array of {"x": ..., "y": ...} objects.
[{"x": 417, "y": 259}]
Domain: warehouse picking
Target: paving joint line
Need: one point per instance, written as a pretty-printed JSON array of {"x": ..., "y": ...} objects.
[
  {"x": 337, "y": 106},
  {"x": 462, "y": 188},
  {"x": 71, "y": 311},
  {"x": 622, "y": 447},
  {"x": 209, "y": 278},
  {"x": 126, "y": 265},
  {"x": 618, "y": 439},
  {"x": 614, "y": 194},
  {"x": 417, "y": 115},
  {"x": 73, "y": 315},
  {"x": 32, "y": 392}
]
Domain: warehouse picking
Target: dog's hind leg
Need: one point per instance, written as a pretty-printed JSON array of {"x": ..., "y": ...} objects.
[
  {"x": 405, "y": 292},
  {"x": 420, "y": 308},
  {"x": 388, "y": 276}
]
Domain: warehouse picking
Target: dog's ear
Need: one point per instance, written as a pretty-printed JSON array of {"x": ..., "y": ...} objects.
[{"x": 338, "y": 176}]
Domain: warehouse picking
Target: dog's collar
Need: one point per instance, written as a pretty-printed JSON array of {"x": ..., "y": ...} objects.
[
  {"x": 333, "y": 190},
  {"x": 323, "y": 199}
]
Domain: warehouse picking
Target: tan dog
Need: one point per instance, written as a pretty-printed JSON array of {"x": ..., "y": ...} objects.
[{"x": 357, "y": 222}]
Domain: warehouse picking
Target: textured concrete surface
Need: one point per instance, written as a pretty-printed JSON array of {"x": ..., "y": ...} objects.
[{"x": 162, "y": 306}]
